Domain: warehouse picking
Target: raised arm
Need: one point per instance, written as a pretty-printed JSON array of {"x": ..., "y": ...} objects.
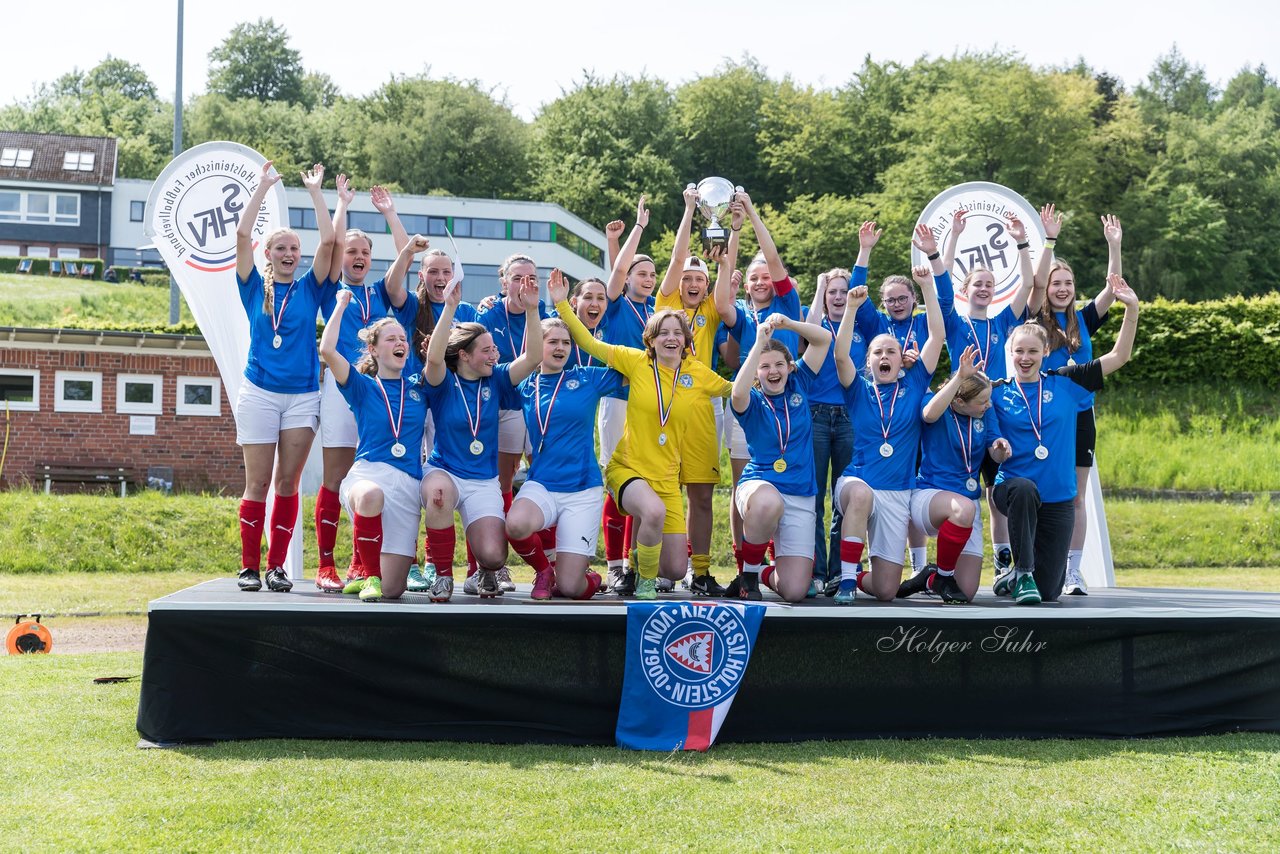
[
  {"x": 527, "y": 362},
  {"x": 400, "y": 268},
  {"x": 1123, "y": 349},
  {"x": 965, "y": 367},
  {"x": 338, "y": 364},
  {"x": 312, "y": 179},
  {"x": 345, "y": 195},
  {"x": 770, "y": 252},
  {"x": 558, "y": 291},
  {"x": 434, "y": 369},
  {"x": 818, "y": 339},
  {"x": 1052, "y": 222},
  {"x": 728, "y": 279},
  {"x": 386, "y": 206},
  {"x": 613, "y": 239},
  {"x": 1114, "y": 235},
  {"x": 244, "y": 229},
  {"x": 818, "y": 308},
  {"x": 618, "y": 275},
  {"x": 925, "y": 277},
  {"x": 740, "y": 397},
  {"x": 680, "y": 251},
  {"x": 1019, "y": 233},
  {"x": 953, "y": 239},
  {"x": 845, "y": 368}
]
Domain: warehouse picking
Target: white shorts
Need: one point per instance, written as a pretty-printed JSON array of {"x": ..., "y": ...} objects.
[
  {"x": 887, "y": 526},
  {"x": 337, "y": 421},
  {"x": 611, "y": 420},
  {"x": 920, "y": 499},
  {"x": 476, "y": 498},
  {"x": 576, "y": 515},
  {"x": 401, "y": 504},
  {"x": 261, "y": 415},
  {"x": 737, "y": 439},
  {"x": 796, "y": 533},
  {"x": 513, "y": 436}
]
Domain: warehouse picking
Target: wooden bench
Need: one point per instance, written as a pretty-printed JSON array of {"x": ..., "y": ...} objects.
[{"x": 109, "y": 473}]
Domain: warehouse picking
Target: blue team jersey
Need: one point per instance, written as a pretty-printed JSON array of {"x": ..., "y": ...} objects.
[
  {"x": 1054, "y": 417},
  {"x": 564, "y": 458},
  {"x": 787, "y": 412},
  {"x": 746, "y": 320},
  {"x": 454, "y": 404},
  {"x": 989, "y": 335},
  {"x": 898, "y": 470},
  {"x": 369, "y": 304},
  {"x": 722, "y": 336},
  {"x": 377, "y": 417},
  {"x": 951, "y": 449},
  {"x": 625, "y": 319},
  {"x": 507, "y": 328},
  {"x": 294, "y": 366},
  {"x": 1064, "y": 356},
  {"x": 912, "y": 331},
  {"x": 464, "y": 313}
]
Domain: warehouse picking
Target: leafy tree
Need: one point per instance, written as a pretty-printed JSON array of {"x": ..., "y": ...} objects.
[
  {"x": 1174, "y": 85},
  {"x": 319, "y": 90},
  {"x": 255, "y": 62}
]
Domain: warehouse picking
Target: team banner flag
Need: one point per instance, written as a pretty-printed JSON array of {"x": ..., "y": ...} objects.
[{"x": 685, "y": 661}]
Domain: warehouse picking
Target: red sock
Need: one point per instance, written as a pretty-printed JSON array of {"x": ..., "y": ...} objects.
[
  {"x": 251, "y": 515},
  {"x": 737, "y": 557},
  {"x": 614, "y": 529},
  {"x": 440, "y": 544},
  {"x": 547, "y": 536},
  {"x": 772, "y": 554},
  {"x": 628, "y": 540},
  {"x": 507, "y": 498},
  {"x": 472, "y": 566},
  {"x": 530, "y": 551},
  {"x": 284, "y": 515},
  {"x": 850, "y": 554},
  {"x": 328, "y": 509},
  {"x": 751, "y": 555},
  {"x": 368, "y": 532},
  {"x": 766, "y": 574},
  {"x": 951, "y": 540},
  {"x": 426, "y": 546},
  {"x": 593, "y": 584}
]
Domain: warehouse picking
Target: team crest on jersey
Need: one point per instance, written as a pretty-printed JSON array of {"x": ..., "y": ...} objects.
[
  {"x": 1046, "y": 396},
  {"x": 978, "y": 426},
  {"x": 686, "y": 381},
  {"x": 416, "y": 379},
  {"x": 414, "y": 396},
  {"x": 484, "y": 393},
  {"x": 599, "y": 334},
  {"x": 995, "y": 337},
  {"x": 694, "y": 655},
  {"x": 699, "y": 321},
  {"x": 796, "y": 399},
  {"x": 902, "y": 392},
  {"x": 572, "y": 384},
  {"x": 857, "y": 338}
]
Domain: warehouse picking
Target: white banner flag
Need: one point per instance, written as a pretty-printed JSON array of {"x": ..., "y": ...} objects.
[{"x": 191, "y": 218}]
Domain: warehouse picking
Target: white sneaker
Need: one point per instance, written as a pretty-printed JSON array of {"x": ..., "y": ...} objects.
[
  {"x": 1074, "y": 585},
  {"x": 471, "y": 586},
  {"x": 504, "y": 580}
]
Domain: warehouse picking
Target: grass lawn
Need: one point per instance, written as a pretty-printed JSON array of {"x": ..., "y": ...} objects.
[
  {"x": 75, "y": 303},
  {"x": 86, "y": 786}
]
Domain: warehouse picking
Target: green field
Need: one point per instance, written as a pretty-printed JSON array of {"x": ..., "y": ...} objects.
[{"x": 42, "y": 301}]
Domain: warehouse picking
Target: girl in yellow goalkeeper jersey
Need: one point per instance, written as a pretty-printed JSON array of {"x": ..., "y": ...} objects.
[{"x": 667, "y": 402}]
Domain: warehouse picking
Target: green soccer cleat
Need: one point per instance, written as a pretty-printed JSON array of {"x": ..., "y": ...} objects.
[
  {"x": 646, "y": 588},
  {"x": 372, "y": 590},
  {"x": 418, "y": 581}
]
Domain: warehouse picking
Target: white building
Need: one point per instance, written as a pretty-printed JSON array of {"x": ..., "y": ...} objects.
[{"x": 487, "y": 231}]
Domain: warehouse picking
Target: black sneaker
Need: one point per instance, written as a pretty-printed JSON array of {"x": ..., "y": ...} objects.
[
  {"x": 733, "y": 590},
  {"x": 278, "y": 581},
  {"x": 626, "y": 586},
  {"x": 948, "y": 588},
  {"x": 749, "y": 589},
  {"x": 249, "y": 581},
  {"x": 917, "y": 583},
  {"x": 705, "y": 585}
]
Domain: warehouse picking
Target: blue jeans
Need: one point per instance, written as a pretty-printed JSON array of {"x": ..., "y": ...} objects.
[{"x": 832, "y": 453}]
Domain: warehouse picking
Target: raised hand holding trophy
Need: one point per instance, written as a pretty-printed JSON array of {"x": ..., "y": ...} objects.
[{"x": 715, "y": 195}]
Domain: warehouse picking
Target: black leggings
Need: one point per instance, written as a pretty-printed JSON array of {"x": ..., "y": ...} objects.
[{"x": 1039, "y": 533}]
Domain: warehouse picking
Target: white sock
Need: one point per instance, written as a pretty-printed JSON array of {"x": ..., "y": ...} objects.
[
  {"x": 919, "y": 557},
  {"x": 1073, "y": 560}
]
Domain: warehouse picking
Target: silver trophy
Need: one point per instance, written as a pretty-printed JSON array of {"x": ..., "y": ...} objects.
[{"x": 714, "y": 197}]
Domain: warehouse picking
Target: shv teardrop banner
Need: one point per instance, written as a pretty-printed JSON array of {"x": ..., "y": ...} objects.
[{"x": 192, "y": 214}]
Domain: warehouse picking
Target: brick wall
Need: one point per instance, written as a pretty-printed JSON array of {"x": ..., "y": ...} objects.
[{"x": 201, "y": 449}]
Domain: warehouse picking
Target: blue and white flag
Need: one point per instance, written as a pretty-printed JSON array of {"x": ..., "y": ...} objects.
[{"x": 685, "y": 661}]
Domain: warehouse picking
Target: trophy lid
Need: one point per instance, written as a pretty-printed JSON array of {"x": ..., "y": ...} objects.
[{"x": 714, "y": 197}]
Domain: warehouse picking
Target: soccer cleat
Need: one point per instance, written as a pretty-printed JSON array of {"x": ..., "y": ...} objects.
[
  {"x": 749, "y": 590},
  {"x": 278, "y": 580},
  {"x": 441, "y": 589},
  {"x": 665, "y": 585},
  {"x": 647, "y": 588},
  {"x": 542, "y": 584},
  {"x": 1004, "y": 561},
  {"x": 504, "y": 580},
  {"x": 471, "y": 586},
  {"x": 847, "y": 592},
  {"x": 831, "y": 587},
  {"x": 1025, "y": 591},
  {"x": 1075, "y": 585},
  {"x": 627, "y": 585},
  {"x": 372, "y": 590},
  {"x": 249, "y": 581},
  {"x": 417, "y": 582},
  {"x": 487, "y": 584},
  {"x": 1004, "y": 584},
  {"x": 733, "y": 589},
  {"x": 705, "y": 585},
  {"x": 917, "y": 583},
  {"x": 614, "y": 577},
  {"x": 946, "y": 587},
  {"x": 327, "y": 580},
  {"x": 815, "y": 587},
  {"x": 356, "y": 571}
]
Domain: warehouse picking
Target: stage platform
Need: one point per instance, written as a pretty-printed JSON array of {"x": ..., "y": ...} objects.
[{"x": 222, "y": 664}]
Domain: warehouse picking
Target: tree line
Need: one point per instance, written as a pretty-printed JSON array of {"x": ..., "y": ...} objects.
[{"x": 1192, "y": 170}]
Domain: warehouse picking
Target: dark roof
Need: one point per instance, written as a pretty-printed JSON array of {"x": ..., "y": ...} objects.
[{"x": 49, "y": 150}]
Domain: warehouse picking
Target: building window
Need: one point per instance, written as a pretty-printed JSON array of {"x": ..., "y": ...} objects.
[
  {"x": 521, "y": 230},
  {"x": 67, "y": 210},
  {"x": 199, "y": 396},
  {"x": 58, "y": 208},
  {"x": 138, "y": 394},
  {"x": 136, "y": 211},
  {"x": 370, "y": 223},
  {"x": 10, "y": 206},
  {"x": 76, "y": 391},
  {"x": 10, "y": 250},
  {"x": 20, "y": 390},
  {"x": 19, "y": 157},
  {"x": 37, "y": 251},
  {"x": 64, "y": 252},
  {"x": 422, "y": 224},
  {"x": 495, "y": 229},
  {"x": 37, "y": 207},
  {"x": 78, "y": 161},
  {"x": 302, "y": 218},
  {"x": 579, "y": 246}
]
